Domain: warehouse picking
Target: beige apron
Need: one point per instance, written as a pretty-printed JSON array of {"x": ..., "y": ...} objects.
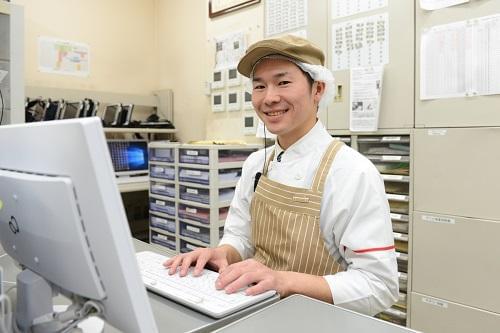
[{"x": 285, "y": 223}]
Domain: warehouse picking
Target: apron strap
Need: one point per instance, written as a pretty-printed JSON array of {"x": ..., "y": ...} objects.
[{"x": 325, "y": 164}]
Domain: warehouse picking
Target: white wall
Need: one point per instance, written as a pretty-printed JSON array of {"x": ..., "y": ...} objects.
[{"x": 121, "y": 36}]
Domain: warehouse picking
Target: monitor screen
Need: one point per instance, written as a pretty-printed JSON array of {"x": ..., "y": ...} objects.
[
  {"x": 217, "y": 99},
  {"x": 129, "y": 156},
  {"x": 71, "y": 110},
  {"x": 249, "y": 121},
  {"x": 217, "y": 76},
  {"x": 110, "y": 116},
  {"x": 233, "y": 74},
  {"x": 233, "y": 98},
  {"x": 248, "y": 97},
  {"x": 62, "y": 218}
]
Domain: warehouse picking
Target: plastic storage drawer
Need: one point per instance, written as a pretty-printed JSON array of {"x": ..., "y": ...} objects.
[{"x": 162, "y": 223}]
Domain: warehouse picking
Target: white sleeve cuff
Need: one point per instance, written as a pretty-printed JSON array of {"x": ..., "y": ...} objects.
[{"x": 237, "y": 243}]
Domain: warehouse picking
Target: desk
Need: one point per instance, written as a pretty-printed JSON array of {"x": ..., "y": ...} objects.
[
  {"x": 299, "y": 313},
  {"x": 169, "y": 316}
]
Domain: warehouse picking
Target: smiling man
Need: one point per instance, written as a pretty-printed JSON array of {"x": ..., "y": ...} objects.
[{"x": 309, "y": 215}]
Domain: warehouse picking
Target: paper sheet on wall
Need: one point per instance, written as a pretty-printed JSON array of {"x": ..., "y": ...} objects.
[
  {"x": 229, "y": 49},
  {"x": 63, "y": 57},
  {"x": 461, "y": 59},
  {"x": 285, "y": 15},
  {"x": 342, "y": 8},
  {"x": 438, "y": 4},
  {"x": 366, "y": 90},
  {"x": 361, "y": 43}
]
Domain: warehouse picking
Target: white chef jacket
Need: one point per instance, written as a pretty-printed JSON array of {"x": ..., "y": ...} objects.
[{"x": 354, "y": 218}]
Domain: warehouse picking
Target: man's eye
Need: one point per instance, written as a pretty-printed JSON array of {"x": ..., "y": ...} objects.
[
  {"x": 284, "y": 83},
  {"x": 258, "y": 87}
]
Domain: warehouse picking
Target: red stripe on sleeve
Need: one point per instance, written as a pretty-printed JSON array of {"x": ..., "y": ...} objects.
[{"x": 373, "y": 249}]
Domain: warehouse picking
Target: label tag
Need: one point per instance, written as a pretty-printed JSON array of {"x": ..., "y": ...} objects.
[
  {"x": 192, "y": 152},
  {"x": 437, "y": 219},
  {"x": 435, "y": 302},
  {"x": 391, "y": 158},
  {"x": 194, "y": 229},
  {"x": 193, "y": 172},
  {"x": 161, "y": 203},
  {"x": 191, "y": 247},
  {"x": 192, "y": 190},
  {"x": 436, "y": 131},
  {"x": 391, "y": 138},
  {"x": 191, "y": 210}
]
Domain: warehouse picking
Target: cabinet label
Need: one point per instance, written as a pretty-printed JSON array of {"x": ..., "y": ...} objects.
[
  {"x": 436, "y": 131},
  {"x": 192, "y": 190},
  {"x": 161, "y": 203},
  {"x": 435, "y": 302},
  {"x": 191, "y": 210},
  {"x": 193, "y": 172},
  {"x": 192, "y": 152},
  {"x": 193, "y": 229},
  {"x": 437, "y": 219},
  {"x": 391, "y": 158},
  {"x": 191, "y": 247},
  {"x": 391, "y": 138}
]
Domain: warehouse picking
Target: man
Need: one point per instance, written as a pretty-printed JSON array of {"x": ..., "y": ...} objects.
[{"x": 309, "y": 215}]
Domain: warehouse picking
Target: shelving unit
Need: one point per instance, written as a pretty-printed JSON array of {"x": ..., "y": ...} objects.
[
  {"x": 390, "y": 152},
  {"x": 191, "y": 188}
]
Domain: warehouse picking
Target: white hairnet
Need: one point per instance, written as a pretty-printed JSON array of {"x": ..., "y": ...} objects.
[{"x": 317, "y": 73}]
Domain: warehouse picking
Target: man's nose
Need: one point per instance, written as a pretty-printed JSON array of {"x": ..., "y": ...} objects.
[{"x": 272, "y": 95}]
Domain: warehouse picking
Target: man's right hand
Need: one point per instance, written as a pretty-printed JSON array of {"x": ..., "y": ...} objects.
[{"x": 218, "y": 257}]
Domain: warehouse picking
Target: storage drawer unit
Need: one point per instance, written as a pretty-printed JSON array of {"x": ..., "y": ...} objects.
[
  {"x": 434, "y": 315},
  {"x": 191, "y": 189}
]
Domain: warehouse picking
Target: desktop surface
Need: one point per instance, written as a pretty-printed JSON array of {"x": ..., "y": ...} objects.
[
  {"x": 299, "y": 313},
  {"x": 169, "y": 315}
]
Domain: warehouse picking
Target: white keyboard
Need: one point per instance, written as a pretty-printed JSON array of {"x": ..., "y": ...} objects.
[{"x": 198, "y": 293}]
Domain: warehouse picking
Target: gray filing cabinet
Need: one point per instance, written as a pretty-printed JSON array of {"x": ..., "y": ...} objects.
[
  {"x": 456, "y": 228},
  {"x": 391, "y": 153},
  {"x": 190, "y": 192}
]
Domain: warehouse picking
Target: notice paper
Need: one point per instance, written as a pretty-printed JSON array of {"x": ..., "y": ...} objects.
[
  {"x": 229, "y": 49},
  {"x": 438, "y": 4},
  {"x": 361, "y": 43},
  {"x": 366, "y": 90},
  {"x": 63, "y": 57},
  {"x": 460, "y": 59},
  {"x": 285, "y": 15},
  {"x": 342, "y": 8}
]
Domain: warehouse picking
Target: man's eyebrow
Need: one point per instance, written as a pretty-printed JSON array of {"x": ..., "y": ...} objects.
[{"x": 275, "y": 76}]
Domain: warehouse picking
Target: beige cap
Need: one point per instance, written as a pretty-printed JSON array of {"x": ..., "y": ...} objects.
[{"x": 293, "y": 47}]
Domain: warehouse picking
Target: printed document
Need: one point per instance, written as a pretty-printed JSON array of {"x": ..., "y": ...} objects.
[
  {"x": 438, "y": 4},
  {"x": 461, "y": 59},
  {"x": 366, "y": 90}
]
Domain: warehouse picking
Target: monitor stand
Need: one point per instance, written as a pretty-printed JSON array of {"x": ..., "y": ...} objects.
[{"x": 35, "y": 309}]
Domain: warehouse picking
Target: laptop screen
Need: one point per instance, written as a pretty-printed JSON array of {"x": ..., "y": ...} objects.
[{"x": 129, "y": 157}]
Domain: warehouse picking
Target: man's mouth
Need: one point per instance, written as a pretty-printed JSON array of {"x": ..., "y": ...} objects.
[{"x": 275, "y": 113}]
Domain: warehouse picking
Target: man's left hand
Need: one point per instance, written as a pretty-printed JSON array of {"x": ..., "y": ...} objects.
[{"x": 251, "y": 273}]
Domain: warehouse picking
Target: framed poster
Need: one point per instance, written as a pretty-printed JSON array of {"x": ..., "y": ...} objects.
[{"x": 221, "y": 7}]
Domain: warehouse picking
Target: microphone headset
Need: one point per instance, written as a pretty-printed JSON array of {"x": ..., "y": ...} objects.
[{"x": 259, "y": 174}]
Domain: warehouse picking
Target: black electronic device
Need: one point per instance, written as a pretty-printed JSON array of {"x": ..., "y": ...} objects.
[
  {"x": 53, "y": 110},
  {"x": 111, "y": 114},
  {"x": 125, "y": 115},
  {"x": 71, "y": 110}
]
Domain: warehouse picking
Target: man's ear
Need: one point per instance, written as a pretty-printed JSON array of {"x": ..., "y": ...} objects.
[{"x": 318, "y": 90}]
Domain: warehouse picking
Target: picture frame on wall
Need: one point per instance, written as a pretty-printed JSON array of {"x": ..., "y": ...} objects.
[{"x": 221, "y": 7}]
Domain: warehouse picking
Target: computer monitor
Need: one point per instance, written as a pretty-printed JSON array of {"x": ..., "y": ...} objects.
[
  {"x": 125, "y": 115},
  {"x": 53, "y": 110},
  {"x": 129, "y": 157},
  {"x": 62, "y": 219},
  {"x": 111, "y": 114},
  {"x": 71, "y": 110}
]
